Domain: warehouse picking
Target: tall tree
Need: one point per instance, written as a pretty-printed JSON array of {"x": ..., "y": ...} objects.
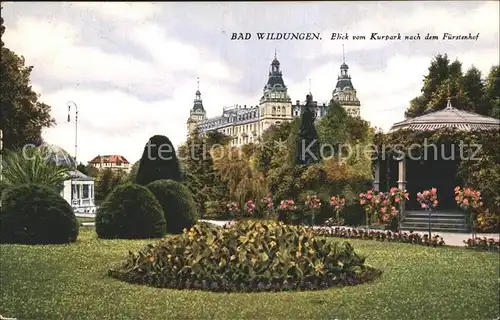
[
  {"x": 474, "y": 90},
  {"x": 492, "y": 91},
  {"x": 23, "y": 115},
  {"x": 308, "y": 151}
]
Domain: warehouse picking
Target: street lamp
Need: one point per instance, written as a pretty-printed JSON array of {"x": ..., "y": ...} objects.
[{"x": 71, "y": 103}]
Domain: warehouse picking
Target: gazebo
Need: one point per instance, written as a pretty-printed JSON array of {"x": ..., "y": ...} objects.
[
  {"x": 78, "y": 189},
  {"x": 423, "y": 166}
]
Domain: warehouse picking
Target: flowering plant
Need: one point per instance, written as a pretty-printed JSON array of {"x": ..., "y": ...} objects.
[
  {"x": 428, "y": 199},
  {"x": 288, "y": 207},
  {"x": 468, "y": 198},
  {"x": 250, "y": 207},
  {"x": 372, "y": 202},
  {"x": 338, "y": 204},
  {"x": 397, "y": 196},
  {"x": 266, "y": 205},
  {"x": 313, "y": 203},
  {"x": 232, "y": 208}
]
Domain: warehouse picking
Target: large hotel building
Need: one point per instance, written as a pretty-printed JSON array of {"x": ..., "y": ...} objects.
[{"x": 246, "y": 123}]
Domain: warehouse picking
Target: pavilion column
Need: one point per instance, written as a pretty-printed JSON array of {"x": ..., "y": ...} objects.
[
  {"x": 401, "y": 186},
  {"x": 376, "y": 176}
]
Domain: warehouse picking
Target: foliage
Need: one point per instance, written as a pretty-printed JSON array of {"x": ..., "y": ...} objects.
[
  {"x": 158, "y": 162},
  {"x": 483, "y": 244},
  {"x": 32, "y": 165},
  {"x": 236, "y": 171},
  {"x": 106, "y": 181},
  {"x": 36, "y": 214},
  {"x": 232, "y": 209},
  {"x": 130, "y": 212},
  {"x": 487, "y": 221},
  {"x": 251, "y": 256},
  {"x": 467, "y": 92},
  {"x": 216, "y": 209},
  {"x": 177, "y": 203},
  {"x": 23, "y": 115},
  {"x": 313, "y": 205},
  {"x": 132, "y": 174},
  {"x": 201, "y": 176},
  {"x": 404, "y": 237},
  {"x": 428, "y": 199}
]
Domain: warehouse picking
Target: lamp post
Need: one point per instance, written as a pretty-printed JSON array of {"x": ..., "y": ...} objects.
[{"x": 71, "y": 103}]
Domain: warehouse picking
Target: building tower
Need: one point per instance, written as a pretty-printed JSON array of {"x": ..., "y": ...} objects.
[
  {"x": 197, "y": 113},
  {"x": 344, "y": 92},
  {"x": 275, "y": 105}
]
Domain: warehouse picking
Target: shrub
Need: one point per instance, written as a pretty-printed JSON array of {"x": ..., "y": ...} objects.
[
  {"x": 177, "y": 202},
  {"x": 158, "y": 162},
  {"x": 130, "y": 212},
  {"x": 36, "y": 214},
  {"x": 247, "y": 256}
]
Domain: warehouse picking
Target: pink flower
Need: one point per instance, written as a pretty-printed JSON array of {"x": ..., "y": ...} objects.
[
  {"x": 362, "y": 202},
  {"x": 423, "y": 206},
  {"x": 434, "y": 190}
]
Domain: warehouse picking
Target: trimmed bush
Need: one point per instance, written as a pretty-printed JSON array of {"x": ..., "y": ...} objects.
[
  {"x": 246, "y": 256},
  {"x": 158, "y": 162},
  {"x": 130, "y": 212},
  {"x": 36, "y": 214},
  {"x": 177, "y": 202}
]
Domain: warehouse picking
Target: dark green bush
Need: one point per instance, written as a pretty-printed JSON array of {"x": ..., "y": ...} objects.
[
  {"x": 36, "y": 214},
  {"x": 130, "y": 212},
  {"x": 159, "y": 161},
  {"x": 247, "y": 256},
  {"x": 177, "y": 202}
]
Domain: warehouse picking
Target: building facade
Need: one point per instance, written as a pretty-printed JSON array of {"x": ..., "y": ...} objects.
[
  {"x": 113, "y": 162},
  {"x": 245, "y": 124}
]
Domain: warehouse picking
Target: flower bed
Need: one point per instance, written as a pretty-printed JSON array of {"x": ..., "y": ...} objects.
[
  {"x": 483, "y": 244},
  {"x": 362, "y": 234}
]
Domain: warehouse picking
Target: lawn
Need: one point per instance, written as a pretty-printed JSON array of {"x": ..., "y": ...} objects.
[{"x": 70, "y": 282}]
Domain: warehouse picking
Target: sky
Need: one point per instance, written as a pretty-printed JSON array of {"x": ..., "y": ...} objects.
[{"x": 132, "y": 68}]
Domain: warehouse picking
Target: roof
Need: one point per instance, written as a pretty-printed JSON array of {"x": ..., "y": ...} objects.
[
  {"x": 448, "y": 118},
  {"x": 198, "y": 105},
  {"x": 343, "y": 83},
  {"x": 115, "y": 158},
  {"x": 76, "y": 175},
  {"x": 58, "y": 155}
]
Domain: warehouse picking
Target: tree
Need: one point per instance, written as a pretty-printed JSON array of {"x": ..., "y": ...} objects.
[
  {"x": 332, "y": 128},
  {"x": 106, "y": 181},
  {"x": 201, "y": 176},
  {"x": 23, "y": 115},
  {"x": 307, "y": 142},
  {"x": 492, "y": 91},
  {"x": 159, "y": 161}
]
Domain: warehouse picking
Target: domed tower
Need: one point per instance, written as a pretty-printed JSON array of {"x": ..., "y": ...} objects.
[
  {"x": 197, "y": 113},
  {"x": 275, "y": 104},
  {"x": 344, "y": 92}
]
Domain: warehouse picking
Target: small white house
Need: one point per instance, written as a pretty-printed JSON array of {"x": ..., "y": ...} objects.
[{"x": 79, "y": 192}]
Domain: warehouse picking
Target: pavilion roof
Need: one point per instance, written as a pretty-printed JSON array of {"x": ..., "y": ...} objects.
[{"x": 448, "y": 118}]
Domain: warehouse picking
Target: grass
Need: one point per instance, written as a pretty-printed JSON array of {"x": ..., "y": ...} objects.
[
  {"x": 85, "y": 219},
  {"x": 70, "y": 282}
]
